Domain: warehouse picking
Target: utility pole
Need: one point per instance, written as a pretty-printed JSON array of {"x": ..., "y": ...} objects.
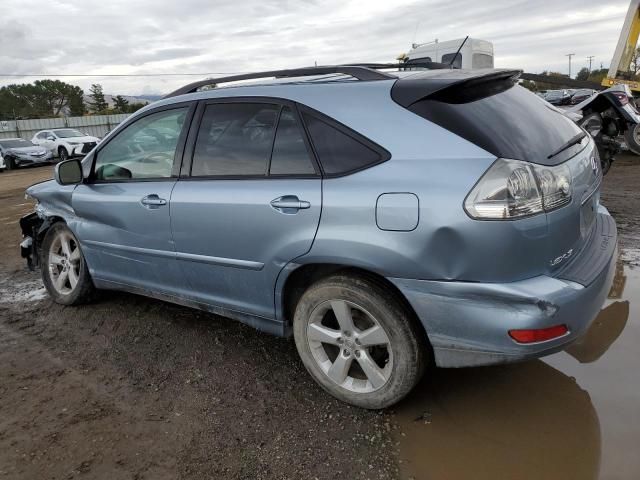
[
  {"x": 569, "y": 55},
  {"x": 590, "y": 58}
]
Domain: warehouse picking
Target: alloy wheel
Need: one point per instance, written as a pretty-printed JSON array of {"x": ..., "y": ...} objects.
[
  {"x": 64, "y": 263},
  {"x": 350, "y": 346}
]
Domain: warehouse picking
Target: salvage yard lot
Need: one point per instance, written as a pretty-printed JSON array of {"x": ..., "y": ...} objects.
[{"x": 130, "y": 387}]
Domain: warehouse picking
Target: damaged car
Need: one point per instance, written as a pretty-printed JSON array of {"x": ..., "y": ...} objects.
[{"x": 375, "y": 216}]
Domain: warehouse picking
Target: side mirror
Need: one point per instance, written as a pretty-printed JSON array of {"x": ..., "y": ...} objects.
[
  {"x": 68, "y": 172},
  {"x": 52, "y": 138}
]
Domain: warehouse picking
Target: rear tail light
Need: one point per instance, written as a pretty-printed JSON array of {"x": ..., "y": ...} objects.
[
  {"x": 512, "y": 189},
  {"x": 622, "y": 98},
  {"x": 538, "y": 335}
]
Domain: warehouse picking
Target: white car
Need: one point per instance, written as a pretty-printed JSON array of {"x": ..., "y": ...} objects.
[
  {"x": 65, "y": 143},
  {"x": 2, "y": 165}
]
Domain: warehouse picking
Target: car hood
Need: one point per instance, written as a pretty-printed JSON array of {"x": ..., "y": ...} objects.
[
  {"x": 35, "y": 150},
  {"x": 84, "y": 139}
]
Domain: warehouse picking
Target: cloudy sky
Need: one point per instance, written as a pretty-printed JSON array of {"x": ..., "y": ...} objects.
[{"x": 224, "y": 36}]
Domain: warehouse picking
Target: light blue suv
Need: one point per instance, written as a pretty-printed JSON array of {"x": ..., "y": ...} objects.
[{"x": 387, "y": 220}]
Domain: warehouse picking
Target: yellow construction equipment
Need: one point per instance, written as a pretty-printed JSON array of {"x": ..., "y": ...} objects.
[{"x": 619, "y": 70}]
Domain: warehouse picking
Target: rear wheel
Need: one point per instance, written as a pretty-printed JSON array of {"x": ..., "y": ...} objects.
[
  {"x": 64, "y": 271},
  {"x": 358, "y": 342},
  {"x": 632, "y": 137}
]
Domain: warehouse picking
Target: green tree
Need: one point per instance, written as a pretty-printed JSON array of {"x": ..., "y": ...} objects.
[
  {"x": 121, "y": 104},
  {"x": 134, "y": 107},
  {"x": 529, "y": 85},
  {"x": 598, "y": 75},
  {"x": 97, "y": 104},
  {"x": 583, "y": 74},
  {"x": 43, "y": 98}
]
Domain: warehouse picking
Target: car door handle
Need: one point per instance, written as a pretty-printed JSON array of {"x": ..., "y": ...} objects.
[
  {"x": 153, "y": 201},
  {"x": 289, "y": 204}
]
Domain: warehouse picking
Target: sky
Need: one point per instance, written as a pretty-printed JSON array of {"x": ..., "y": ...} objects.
[{"x": 56, "y": 37}]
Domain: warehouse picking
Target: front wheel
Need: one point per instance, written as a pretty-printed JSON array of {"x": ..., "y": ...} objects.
[
  {"x": 63, "y": 154},
  {"x": 10, "y": 163},
  {"x": 358, "y": 342},
  {"x": 64, "y": 270}
]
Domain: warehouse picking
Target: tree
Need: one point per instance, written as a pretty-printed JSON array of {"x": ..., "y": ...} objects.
[
  {"x": 598, "y": 75},
  {"x": 43, "y": 98},
  {"x": 583, "y": 74},
  {"x": 97, "y": 104},
  {"x": 120, "y": 104},
  {"x": 529, "y": 85},
  {"x": 134, "y": 107}
]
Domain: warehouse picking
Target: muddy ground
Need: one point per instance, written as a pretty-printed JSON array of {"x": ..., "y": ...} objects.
[{"x": 133, "y": 388}]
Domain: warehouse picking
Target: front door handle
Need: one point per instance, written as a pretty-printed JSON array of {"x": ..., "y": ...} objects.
[
  {"x": 289, "y": 204},
  {"x": 153, "y": 201}
]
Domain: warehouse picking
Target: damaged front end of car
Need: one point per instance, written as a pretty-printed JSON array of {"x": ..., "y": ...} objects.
[{"x": 33, "y": 228}]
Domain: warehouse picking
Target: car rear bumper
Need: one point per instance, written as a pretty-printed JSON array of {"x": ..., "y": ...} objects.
[{"x": 468, "y": 323}]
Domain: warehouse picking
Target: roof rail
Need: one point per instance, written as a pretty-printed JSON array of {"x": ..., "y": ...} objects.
[
  {"x": 382, "y": 66},
  {"x": 357, "y": 71}
]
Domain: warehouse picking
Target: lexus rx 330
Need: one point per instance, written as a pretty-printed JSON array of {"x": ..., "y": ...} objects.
[{"x": 384, "y": 220}]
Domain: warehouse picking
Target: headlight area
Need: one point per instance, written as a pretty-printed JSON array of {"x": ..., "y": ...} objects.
[{"x": 514, "y": 189}]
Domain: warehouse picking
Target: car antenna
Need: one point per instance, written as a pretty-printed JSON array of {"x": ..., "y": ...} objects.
[{"x": 456, "y": 55}]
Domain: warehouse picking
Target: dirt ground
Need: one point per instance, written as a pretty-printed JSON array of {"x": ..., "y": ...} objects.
[{"x": 133, "y": 388}]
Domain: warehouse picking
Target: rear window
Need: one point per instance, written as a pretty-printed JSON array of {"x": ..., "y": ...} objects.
[
  {"x": 453, "y": 59},
  {"x": 481, "y": 60},
  {"x": 504, "y": 119},
  {"x": 340, "y": 152}
]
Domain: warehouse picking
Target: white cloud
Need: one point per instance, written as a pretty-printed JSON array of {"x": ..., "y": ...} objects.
[{"x": 206, "y": 36}]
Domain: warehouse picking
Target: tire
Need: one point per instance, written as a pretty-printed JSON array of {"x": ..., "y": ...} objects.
[
  {"x": 342, "y": 354},
  {"x": 61, "y": 265},
  {"x": 632, "y": 137},
  {"x": 10, "y": 163},
  {"x": 63, "y": 154}
]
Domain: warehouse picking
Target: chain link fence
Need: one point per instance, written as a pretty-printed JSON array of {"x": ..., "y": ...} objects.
[{"x": 94, "y": 125}]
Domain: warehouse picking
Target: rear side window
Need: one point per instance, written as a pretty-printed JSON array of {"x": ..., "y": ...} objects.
[
  {"x": 448, "y": 58},
  {"x": 290, "y": 155},
  {"x": 338, "y": 152},
  {"x": 235, "y": 139}
]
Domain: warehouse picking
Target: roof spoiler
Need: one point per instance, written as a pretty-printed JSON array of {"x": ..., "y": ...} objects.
[{"x": 409, "y": 90}]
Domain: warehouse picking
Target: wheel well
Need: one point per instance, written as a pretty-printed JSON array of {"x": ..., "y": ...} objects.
[
  {"x": 62, "y": 147},
  {"x": 305, "y": 276}
]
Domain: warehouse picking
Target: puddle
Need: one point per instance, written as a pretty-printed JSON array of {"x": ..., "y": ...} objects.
[{"x": 575, "y": 414}]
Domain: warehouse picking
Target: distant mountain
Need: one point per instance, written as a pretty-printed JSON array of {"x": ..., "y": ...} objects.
[{"x": 150, "y": 98}]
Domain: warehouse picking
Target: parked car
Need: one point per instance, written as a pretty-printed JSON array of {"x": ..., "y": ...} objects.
[
  {"x": 558, "y": 97},
  {"x": 581, "y": 95},
  {"x": 3, "y": 166},
  {"x": 65, "y": 143},
  {"x": 18, "y": 152},
  {"x": 375, "y": 216}
]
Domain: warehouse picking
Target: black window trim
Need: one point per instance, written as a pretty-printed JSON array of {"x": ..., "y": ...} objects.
[
  {"x": 382, "y": 152},
  {"x": 178, "y": 158},
  {"x": 187, "y": 165}
]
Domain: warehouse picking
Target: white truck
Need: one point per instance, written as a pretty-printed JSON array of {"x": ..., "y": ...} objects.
[{"x": 474, "y": 53}]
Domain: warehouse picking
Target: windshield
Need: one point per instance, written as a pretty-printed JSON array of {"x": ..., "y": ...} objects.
[
  {"x": 68, "y": 133},
  {"x": 16, "y": 143}
]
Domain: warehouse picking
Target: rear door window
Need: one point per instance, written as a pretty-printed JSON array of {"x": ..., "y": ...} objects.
[
  {"x": 340, "y": 152},
  {"x": 235, "y": 139},
  {"x": 290, "y": 155}
]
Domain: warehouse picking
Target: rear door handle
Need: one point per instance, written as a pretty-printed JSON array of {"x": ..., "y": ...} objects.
[
  {"x": 153, "y": 201},
  {"x": 289, "y": 204}
]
